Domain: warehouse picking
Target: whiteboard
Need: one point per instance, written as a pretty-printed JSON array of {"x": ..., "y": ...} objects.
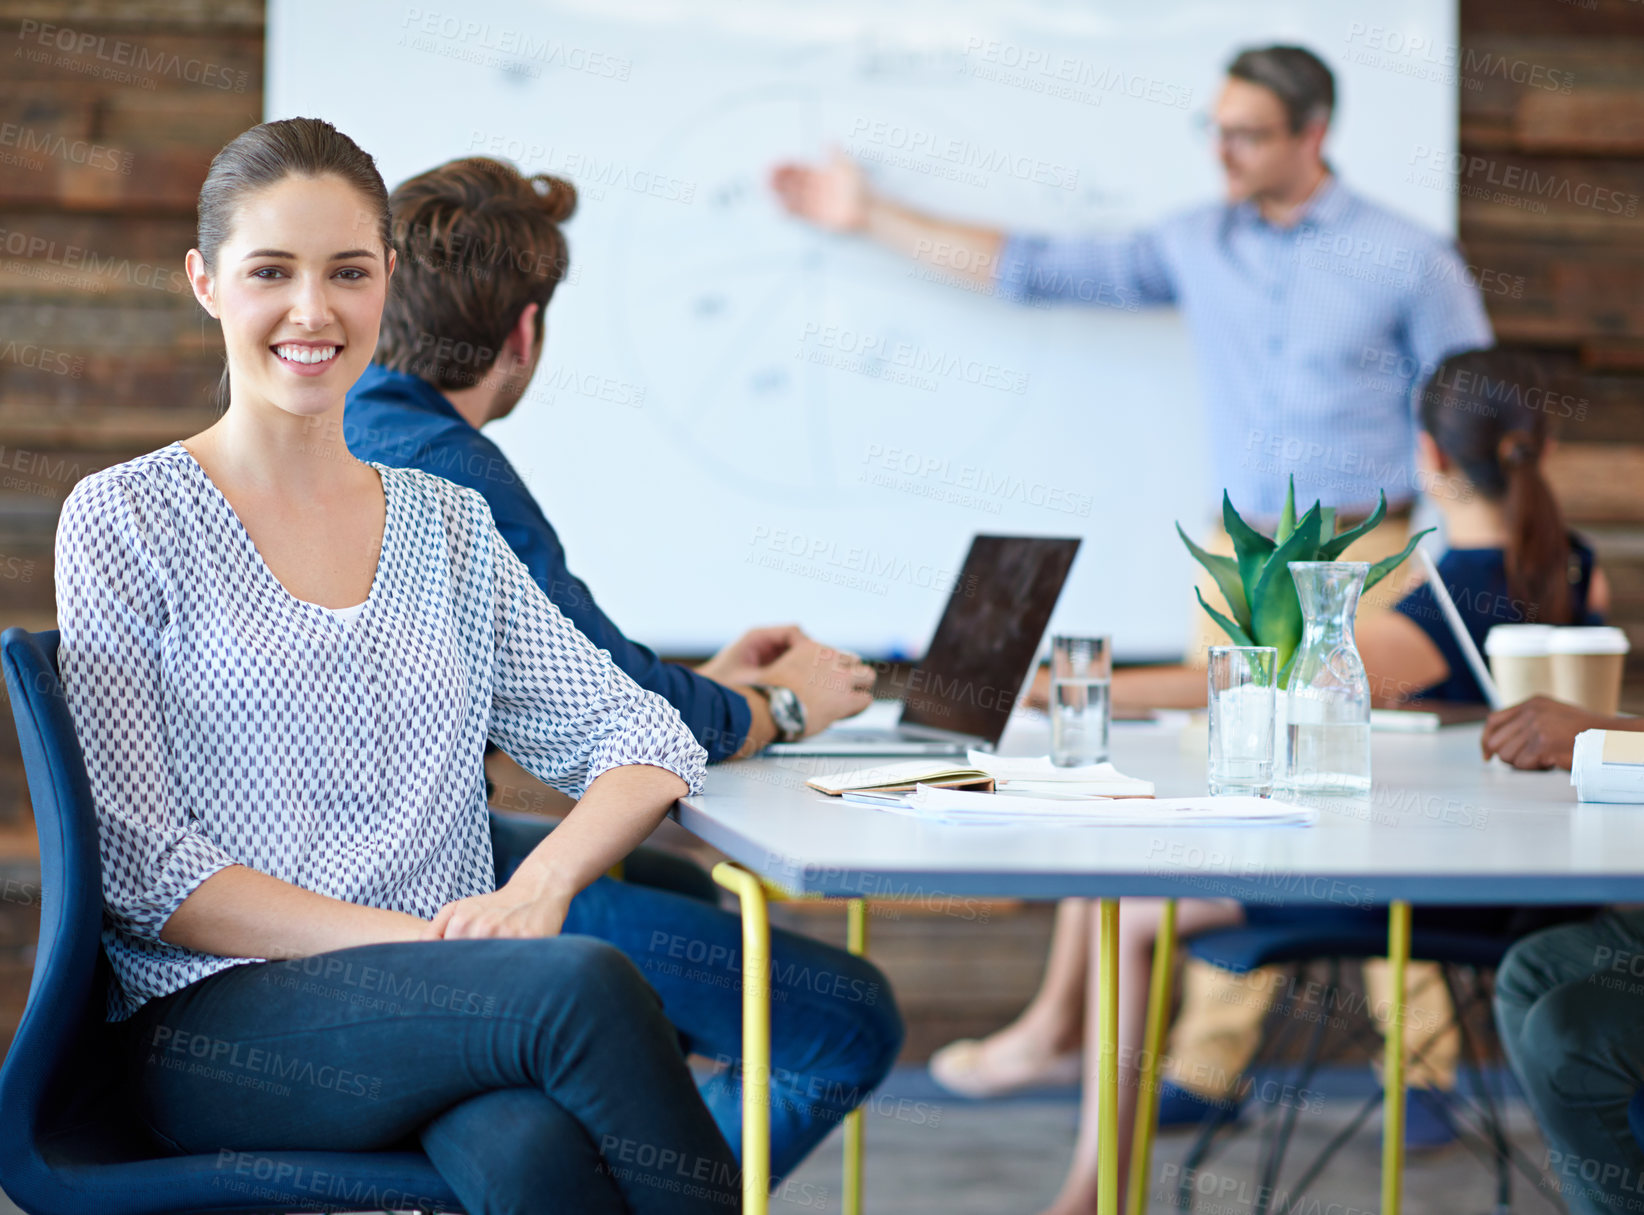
[{"x": 741, "y": 420}]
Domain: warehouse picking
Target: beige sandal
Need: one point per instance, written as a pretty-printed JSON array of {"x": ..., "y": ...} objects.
[{"x": 958, "y": 1068}]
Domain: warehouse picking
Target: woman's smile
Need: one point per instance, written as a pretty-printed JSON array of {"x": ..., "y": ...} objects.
[{"x": 307, "y": 358}]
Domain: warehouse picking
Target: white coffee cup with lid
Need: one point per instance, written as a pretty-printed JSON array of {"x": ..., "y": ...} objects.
[
  {"x": 1587, "y": 664},
  {"x": 1521, "y": 661}
]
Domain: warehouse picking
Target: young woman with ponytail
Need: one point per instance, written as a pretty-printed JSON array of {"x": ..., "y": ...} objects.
[
  {"x": 1509, "y": 558},
  {"x": 283, "y": 665}
]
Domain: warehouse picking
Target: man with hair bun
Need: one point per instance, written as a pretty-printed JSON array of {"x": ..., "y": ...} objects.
[{"x": 481, "y": 251}]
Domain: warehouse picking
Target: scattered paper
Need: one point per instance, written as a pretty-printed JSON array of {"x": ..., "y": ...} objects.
[
  {"x": 1036, "y": 774},
  {"x": 957, "y": 807}
]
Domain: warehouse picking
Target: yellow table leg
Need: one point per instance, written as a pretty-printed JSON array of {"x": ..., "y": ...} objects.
[
  {"x": 1147, "y": 1094},
  {"x": 1392, "y": 1123},
  {"x": 856, "y": 940},
  {"x": 1107, "y": 1082},
  {"x": 756, "y": 1035}
]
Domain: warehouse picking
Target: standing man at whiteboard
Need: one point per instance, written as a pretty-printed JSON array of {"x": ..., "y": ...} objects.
[{"x": 1315, "y": 313}]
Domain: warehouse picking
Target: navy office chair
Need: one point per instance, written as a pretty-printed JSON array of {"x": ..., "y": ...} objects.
[
  {"x": 1335, "y": 935},
  {"x": 68, "y": 1144}
]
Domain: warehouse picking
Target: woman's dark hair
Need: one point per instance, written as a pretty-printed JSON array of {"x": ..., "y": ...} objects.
[
  {"x": 1295, "y": 75},
  {"x": 478, "y": 241},
  {"x": 1483, "y": 409},
  {"x": 266, "y": 155}
]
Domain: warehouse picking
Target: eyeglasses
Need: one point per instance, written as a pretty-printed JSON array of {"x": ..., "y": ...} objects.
[{"x": 1237, "y": 139}]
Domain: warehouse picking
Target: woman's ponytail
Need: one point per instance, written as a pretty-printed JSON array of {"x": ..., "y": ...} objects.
[
  {"x": 1538, "y": 546},
  {"x": 1480, "y": 409}
]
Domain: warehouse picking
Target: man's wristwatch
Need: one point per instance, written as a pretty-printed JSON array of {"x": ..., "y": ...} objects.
[{"x": 786, "y": 711}]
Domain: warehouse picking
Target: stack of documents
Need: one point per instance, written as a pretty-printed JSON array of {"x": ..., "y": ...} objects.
[
  {"x": 957, "y": 806},
  {"x": 1038, "y": 777},
  {"x": 902, "y": 778},
  {"x": 1608, "y": 766}
]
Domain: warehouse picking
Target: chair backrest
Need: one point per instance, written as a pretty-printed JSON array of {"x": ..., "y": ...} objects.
[{"x": 51, "y": 1050}]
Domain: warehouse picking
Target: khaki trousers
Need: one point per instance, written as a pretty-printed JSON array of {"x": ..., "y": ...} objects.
[{"x": 1221, "y": 1013}]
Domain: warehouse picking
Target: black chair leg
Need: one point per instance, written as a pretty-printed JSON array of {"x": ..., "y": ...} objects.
[
  {"x": 1268, "y": 1046},
  {"x": 1287, "y": 1120},
  {"x": 1473, "y": 1052},
  {"x": 1367, "y": 1036}
]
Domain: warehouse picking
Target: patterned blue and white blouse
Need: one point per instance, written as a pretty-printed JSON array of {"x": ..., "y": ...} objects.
[{"x": 225, "y": 721}]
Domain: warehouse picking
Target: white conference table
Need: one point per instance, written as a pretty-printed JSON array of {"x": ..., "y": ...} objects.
[{"x": 1441, "y": 826}]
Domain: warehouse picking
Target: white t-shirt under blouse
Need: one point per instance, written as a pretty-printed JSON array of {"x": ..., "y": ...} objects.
[{"x": 225, "y": 721}]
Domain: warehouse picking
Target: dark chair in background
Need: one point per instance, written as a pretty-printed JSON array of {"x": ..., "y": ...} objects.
[{"x": 1466, "y": 959}]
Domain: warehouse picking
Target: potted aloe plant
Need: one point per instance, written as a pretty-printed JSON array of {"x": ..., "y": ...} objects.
[{"x": 1256, "y": 580}]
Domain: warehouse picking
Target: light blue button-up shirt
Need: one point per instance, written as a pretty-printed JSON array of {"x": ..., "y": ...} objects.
[{"x": 1311, "y": 339}]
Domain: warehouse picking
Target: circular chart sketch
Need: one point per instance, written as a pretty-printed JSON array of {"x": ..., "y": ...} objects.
[{"x": 767, "y": 346}]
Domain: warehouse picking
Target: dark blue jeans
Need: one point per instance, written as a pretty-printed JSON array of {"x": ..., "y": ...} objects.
[
  {"x": 526, "y": 1068},
  {"x": 1570, "y": 1008},
  {"x": 835, "y": 1029},
  {"x": 537, "y": 1074}
]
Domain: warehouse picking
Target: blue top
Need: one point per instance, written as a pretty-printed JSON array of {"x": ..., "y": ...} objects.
[
  {"x": 1477, "y": 580},
  {"x": 1310, "y": 338},
  {"x": 399, "y": 420}
]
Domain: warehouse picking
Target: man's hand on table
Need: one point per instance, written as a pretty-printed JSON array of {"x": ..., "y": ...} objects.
[
  {"x": 743, "y": 660},
  {"x": 1540, "y": 732},
  {"x": 831, "y": 684}
]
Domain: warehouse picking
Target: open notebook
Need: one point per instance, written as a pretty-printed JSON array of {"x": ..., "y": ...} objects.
[{"x": 988, "y": 774}]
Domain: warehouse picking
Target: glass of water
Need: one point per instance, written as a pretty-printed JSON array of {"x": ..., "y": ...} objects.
[
  {"x": 1243, "y": 684},
  {"x": 1081, "y": 674}
]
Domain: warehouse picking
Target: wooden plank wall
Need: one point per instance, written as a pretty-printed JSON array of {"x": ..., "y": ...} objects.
[
  {"x": 110, "y": 111},
  {"x": 1552, "y": 207}
]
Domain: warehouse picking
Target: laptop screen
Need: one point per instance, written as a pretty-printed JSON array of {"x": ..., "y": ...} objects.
[{"x": 989, "y": 635}]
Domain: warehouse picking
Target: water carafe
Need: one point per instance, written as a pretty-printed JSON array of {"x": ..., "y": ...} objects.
[{"x": 1328, "y": 697}]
